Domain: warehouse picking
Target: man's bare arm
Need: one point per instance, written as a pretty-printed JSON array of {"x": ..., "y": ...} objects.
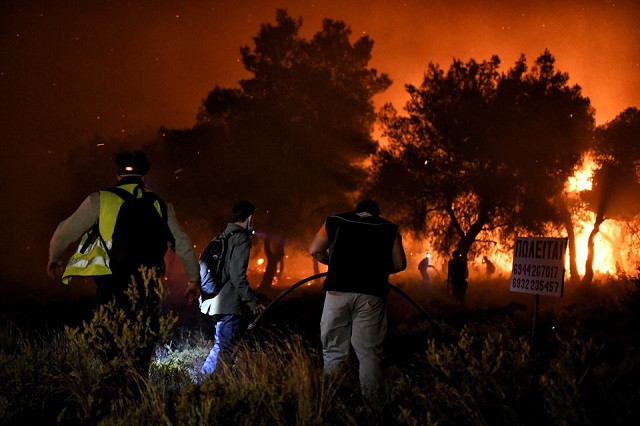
[{"x": 319, "y": 247}]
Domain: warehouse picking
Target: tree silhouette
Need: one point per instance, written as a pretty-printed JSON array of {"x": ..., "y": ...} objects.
[
  {"x": 481, "y": 155},
  {"x": 616, "y": 186},
  {"x": 291, "y": 139}
]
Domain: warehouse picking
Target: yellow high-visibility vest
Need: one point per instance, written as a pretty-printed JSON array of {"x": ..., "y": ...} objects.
[{"x": 92, "y": 256}]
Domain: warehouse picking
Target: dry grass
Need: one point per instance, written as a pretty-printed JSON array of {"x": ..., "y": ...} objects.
[{"x": 485, "y": 371}]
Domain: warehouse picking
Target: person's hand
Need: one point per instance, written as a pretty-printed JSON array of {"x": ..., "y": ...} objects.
[
  {"x": 193, "y": 292},
  {"x": 55, "y": 270},
  {"x": 259, "y": 309}
]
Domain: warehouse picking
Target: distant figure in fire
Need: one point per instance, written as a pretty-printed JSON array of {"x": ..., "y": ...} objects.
[
  {"x": 457, "y": 274},
  {"x": 423, "y": 267},
  {"x": 490, "y": 267},
  {"x": 361, "y": 249}
]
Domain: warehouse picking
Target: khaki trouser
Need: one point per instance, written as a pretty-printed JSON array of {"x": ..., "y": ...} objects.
[{"x": 360, "y": 320}]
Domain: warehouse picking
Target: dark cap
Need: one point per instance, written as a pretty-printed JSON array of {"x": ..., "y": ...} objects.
[{"x": 132, "y": 163}]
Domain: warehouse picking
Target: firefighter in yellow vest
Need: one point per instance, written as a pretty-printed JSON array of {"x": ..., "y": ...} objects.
[{"x": 94, "y": 223}]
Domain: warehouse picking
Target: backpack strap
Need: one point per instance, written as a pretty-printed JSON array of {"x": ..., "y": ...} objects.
[
  {"x": 122, "y": 193},
  {"x": 220, "y": 235},
  {"x": 126, "y": 196},
  {"x": 205, "y": 252},
  {"x": 92, "y": 235},
  {"x": 230, "y": 234}
]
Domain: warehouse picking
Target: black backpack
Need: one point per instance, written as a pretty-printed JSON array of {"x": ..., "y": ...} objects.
[
  {"x": 211, "y": 265},
  {"x": 140, "y": 235}
]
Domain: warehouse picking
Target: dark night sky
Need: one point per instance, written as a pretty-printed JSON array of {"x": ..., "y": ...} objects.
[{"x": 74, "y": 70}]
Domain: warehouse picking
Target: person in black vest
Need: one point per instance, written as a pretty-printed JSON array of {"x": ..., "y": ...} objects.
[{"x": 361, "y": 249}]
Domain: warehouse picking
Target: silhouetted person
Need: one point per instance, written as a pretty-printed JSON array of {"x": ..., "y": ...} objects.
[
  {"x": 361, "y": 249},
  {"x": 490, "y": 268},
  {"x": 423, "y": 267},
  {"x": 457, "y": 274}
]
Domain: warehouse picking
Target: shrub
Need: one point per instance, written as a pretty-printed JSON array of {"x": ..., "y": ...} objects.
[
  {"x": 274, "y": 381},
  {"x": 580, "y": 386},
  {"x": 91, "y": 372},
  {"x": 483, "y": 378},
  {"x": 487, "y": 374}
]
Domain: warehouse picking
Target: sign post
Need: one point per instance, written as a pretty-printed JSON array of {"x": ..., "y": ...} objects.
[{"x": 538, "y": 268}]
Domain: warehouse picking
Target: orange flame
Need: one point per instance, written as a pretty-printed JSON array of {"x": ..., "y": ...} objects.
[
  {"x": 582, "y": 179},
  {"x": 609, "y": 245},
  {"x": 611, "y": 235}
]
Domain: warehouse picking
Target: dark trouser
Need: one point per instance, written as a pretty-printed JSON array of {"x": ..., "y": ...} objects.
[
  {"x": 459, "y": 290},
  {"x": 227, "y": 331},
  {"x": 114, "y": 288},
  {"x": 111, "y": 288}
]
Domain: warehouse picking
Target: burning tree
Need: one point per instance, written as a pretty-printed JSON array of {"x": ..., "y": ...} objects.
[
  {"x": 481, "y": 155},
  {"x": 616, "y": 186},
  {"x": 291, "y": 138}
]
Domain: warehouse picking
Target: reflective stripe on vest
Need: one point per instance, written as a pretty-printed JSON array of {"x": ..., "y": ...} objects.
[
  {"x": 91, "y": 262},
  {"x": 94, "y": 260}
]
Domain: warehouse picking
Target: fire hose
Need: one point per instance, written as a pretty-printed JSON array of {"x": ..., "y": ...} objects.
[{"x": 282, "y": 295}]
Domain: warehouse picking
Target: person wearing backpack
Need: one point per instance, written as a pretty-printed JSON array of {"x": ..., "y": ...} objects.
[
  {"x": 134, "y": 228},
  {"x": 223, "y": 302}
]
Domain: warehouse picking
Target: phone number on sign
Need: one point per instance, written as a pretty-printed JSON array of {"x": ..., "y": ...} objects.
[
  {"x": 535, "y": 285},
  {"x": 541, "y": 271}
]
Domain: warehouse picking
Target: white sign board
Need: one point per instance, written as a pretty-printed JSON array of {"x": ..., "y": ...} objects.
[{"x": 538, "y": 266}]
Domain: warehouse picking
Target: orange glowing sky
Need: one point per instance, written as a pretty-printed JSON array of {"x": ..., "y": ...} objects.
[{"x": 73, "y": 70}]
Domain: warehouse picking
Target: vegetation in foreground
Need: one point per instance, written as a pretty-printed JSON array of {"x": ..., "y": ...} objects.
[{"x": 484, "y": 369}]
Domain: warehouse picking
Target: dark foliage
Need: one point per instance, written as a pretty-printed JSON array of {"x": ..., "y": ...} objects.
[
  {"x": 481, "y": 154},
  {"x": 291, "y": 139}
]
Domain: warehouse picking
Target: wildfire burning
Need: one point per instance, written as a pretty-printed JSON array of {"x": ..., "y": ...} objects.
[
  {"x": 609, "y": 241},
  {"x": 614, "y": 253},
  {"x": 582, "y": 178},
  {"x": 613, "y": 245}
]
